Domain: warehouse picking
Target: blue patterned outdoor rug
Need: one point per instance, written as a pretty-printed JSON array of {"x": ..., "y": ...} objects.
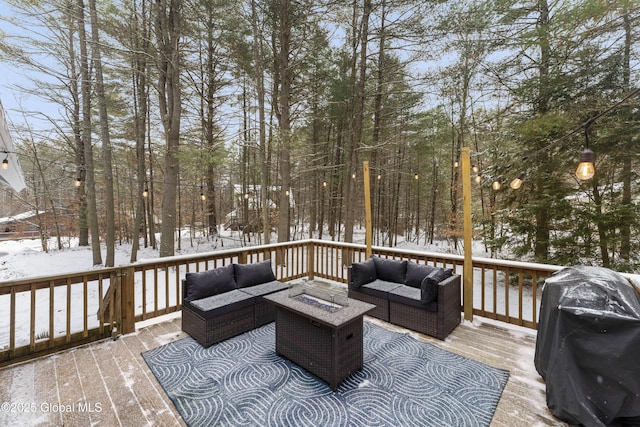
[{"x": 404, "y": 382}]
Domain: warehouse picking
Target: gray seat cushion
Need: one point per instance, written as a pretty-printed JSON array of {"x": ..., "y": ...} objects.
[
  {"x": 409, "y": 295},
  {"x": 265, "y": 288},
  {"x": 378, "y": 288},
  {"x": 227, "y": 302}
]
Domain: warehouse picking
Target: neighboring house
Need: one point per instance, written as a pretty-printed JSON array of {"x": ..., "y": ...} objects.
[
  {"x": 10, "y": 172},
  {"x": 247, "y": 208},
  {"x": 27, "y": 225}
]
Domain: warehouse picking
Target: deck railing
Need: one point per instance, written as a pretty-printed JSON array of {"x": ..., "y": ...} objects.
[{"x": 44, "y": 314}]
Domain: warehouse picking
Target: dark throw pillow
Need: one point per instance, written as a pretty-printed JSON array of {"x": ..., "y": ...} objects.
[
  {"x": 211, "y": 282},
  {"x": 254, "y": 274},
  {"x": 362, "y": 273},
  {"x": 416, "y": 273},
  {"x": 429, "y": 286},
  {"x": 390, "y": 270}
]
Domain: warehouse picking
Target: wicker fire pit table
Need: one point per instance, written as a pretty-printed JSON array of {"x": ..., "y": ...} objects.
[{"x": 320, "y": 332}]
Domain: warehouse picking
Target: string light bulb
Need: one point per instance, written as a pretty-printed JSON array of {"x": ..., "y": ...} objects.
[
  {"x": 416, "y": 176},
  {"x": 478, "y": 178},
  {"x": 475, "y": 169},
  {"x": 202, "y": 197},
  {"x": 5, "y": 164},
  {"x": 586, "y": 170},
  {"x": 456, "y": 164},
  {"x": 517, "y": 183},
  {"x": 145, "y": 193},
  {"x": 496, "y": 185},
  {"x": 78, "y": 182}
]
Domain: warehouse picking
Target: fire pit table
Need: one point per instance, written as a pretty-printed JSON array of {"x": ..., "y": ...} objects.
[{"x": 320, "y": 331}]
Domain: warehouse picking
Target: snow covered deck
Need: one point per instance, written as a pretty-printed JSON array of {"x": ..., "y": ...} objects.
[{"x": 108, "y": 382}]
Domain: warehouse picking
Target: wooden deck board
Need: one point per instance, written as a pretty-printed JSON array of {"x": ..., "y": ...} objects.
[
  {"x": 114, "y": 375},
  {"x": 95, "y": 391}
]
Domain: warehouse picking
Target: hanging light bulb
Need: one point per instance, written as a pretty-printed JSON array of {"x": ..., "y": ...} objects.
[
  {"x": 78, "y": 182},
  {"x": 416, "y": 176},
  {"x": 5, "y": 164},
  {"x": 517, "y": 183},
  {"x": 145, "y": 193},
  {"x": 353, "y": 175},
  {"x": 475, "y": 169},
  {"x": 478, "y": 178},
  {"x": 496, "y": 185},
  {"x": 456, "y": 164},
  {"x": 586, "y": 169},
  {"x": 324, "y": 184},
  {"x": 202, "y": 197}
]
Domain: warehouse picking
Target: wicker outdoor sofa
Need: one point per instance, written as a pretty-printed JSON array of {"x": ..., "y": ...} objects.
[
  {"x": 226, "y": 301},
  {"x": 419, "y": 297}
]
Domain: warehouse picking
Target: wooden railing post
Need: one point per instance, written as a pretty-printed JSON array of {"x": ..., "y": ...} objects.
[
  {"x": 127, "y": 300},
  {"x": 311, "y": 252}
]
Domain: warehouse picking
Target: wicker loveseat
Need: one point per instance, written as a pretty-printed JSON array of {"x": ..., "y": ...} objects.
[
  {"x": 419, "y": 297},
  {"x": 226, "y": 301}
]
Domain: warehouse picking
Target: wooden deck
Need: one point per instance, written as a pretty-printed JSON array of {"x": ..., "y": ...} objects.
[{"x": 108, "y": 383}]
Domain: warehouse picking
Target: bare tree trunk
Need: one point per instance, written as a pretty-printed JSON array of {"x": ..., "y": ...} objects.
[
  {"x": 602, "y": 227},
  {"x": 377, "y": 109},
  {"x": 49, "y": 197},
  {"x": 626, "y": 176},
  {"x": 284, "y": 103},
  {"x": 106, "y": 138},
  {"x": 434, "y": 197},
  {"x": 151, "y": 200},
  {"x": 212, "y": 212},
  {"x": 356, "y": 135},
  {"x": 258, "y": 55},
  {"x": 83, "y": 225},
  {"x": 140, "y": 95},
  {"x": 542, "y": 217},
  {"x": 168, "y": 31},
  {"x": 90, "y": 186}
]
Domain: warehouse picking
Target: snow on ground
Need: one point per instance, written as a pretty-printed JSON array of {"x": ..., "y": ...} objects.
[{"x": 25, "y": 258}]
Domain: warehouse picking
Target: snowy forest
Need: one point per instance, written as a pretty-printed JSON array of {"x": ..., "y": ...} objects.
[{"x": 257, "y": 115}]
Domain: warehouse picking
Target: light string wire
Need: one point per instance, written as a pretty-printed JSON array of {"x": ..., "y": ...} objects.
[{"x": 584, "y": 125}]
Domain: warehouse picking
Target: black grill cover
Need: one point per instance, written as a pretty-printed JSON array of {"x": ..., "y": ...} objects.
[{"x": 588, "y": 347}]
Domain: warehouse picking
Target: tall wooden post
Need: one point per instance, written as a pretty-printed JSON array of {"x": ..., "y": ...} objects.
[
  {"x": 367, "y": 209},
  {"x": 127, "y": 300},
  {"x": 467, "y": 271},
  {"x": 311, "y": 266}
]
